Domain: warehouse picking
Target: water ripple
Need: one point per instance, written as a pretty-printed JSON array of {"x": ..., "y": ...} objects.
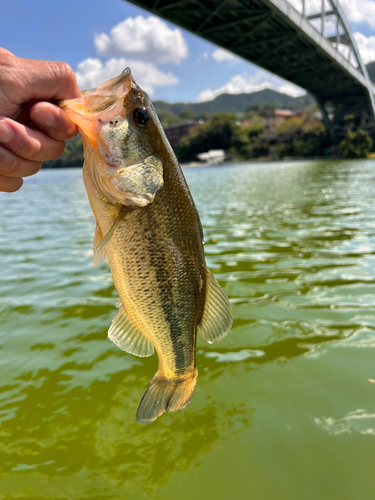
[{"x": 293, "y": 245}]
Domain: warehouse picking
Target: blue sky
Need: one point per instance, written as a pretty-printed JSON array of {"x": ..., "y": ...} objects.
[{"x": 98, "y": 37}]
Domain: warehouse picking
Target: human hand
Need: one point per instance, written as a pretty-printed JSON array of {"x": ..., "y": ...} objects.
[{"x": 32, "y": 129}]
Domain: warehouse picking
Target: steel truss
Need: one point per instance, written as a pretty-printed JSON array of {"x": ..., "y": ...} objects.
[{"x": 293, "y": 44}]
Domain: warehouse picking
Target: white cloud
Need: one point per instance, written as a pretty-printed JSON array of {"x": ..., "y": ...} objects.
[
  {"x": 220, "y": 55},
  {"x": 92, "y": 72},
  {"x": 311, "y": 6},
  {"x": 147, "y": 39},
  {"x": 359, "y": 11},
  {"x": 243, "y": 83},
  {"x": 329, "y": 25},
  {"x": 290, "y": 89},
  {"x": 356, "y": 11},
  {"x": 359, "y": 421},
  {"x": 297, "y": 4},
  {"x": 344, "y": 50},
  {"x": 366, "y": 46}
]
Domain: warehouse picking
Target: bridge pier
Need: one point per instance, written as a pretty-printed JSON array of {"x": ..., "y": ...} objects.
[{"x": 327, "y": 123}]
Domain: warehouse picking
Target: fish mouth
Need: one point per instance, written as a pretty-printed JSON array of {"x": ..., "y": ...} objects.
[
  {"x": 110, "y": 85},
  {"x": 105, "y": 97},
  {"x": 108, "y": 93}
]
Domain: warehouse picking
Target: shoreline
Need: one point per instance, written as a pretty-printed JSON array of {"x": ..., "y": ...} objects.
[{"x": 288, "y": 159}]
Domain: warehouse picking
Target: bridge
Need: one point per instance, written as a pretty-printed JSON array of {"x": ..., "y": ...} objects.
[{"x": 314, "y": 50}]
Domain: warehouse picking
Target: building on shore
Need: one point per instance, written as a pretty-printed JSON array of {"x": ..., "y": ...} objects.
[
  {"x": 175, "y": 132},
  {"x": 274, "y": 120}
]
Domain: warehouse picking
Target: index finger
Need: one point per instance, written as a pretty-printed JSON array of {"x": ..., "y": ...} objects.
[
  {"x": 25, "y": 80},
  {"x": 53, "y": 121},
  {"x": 44, "y": 81}
]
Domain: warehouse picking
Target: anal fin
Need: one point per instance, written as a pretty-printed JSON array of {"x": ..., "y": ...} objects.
[
  {"x": 217, "y": 315},
  {"x": 128, "y": 337}
]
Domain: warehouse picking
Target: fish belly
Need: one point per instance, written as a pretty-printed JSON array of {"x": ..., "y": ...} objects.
[{"x": 158, "y": 281}]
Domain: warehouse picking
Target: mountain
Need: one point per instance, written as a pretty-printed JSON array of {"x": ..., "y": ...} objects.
[{"x": 236, "y": 103}]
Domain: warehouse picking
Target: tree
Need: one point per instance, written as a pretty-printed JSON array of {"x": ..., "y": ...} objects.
[
  {"x": 168, "y": 119},
  {"x": 221, "y": 132},
  {"x": 72, "y": 157},
  {"x": 256, "y": 146},
  {"x": 186, "y": 114},
  {"x": 267, "y": 109},
  {"x": 306, "y": 146},
  {"x": 356, "y": 144},
  {"x": 254, "y": 129},
  {"x": 313, "y": 125},
  {"x": 253, "y": 109},
  {"x": 290, "y": 127}
]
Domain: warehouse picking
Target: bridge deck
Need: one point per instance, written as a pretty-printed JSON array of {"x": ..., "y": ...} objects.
[{"x": 274, "y": 36}]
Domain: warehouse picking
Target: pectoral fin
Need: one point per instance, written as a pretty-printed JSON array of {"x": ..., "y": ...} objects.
[
  {"x": 127, "y": 336},
  {"x": 100, "y": 242},
  {"x": 217, "y": 315},
  {"x": 99, "y": 255},
  {"x": 140, "y": 182}
]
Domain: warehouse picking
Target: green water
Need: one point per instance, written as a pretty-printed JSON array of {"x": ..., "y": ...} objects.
[{"x": 284, "y": 406}]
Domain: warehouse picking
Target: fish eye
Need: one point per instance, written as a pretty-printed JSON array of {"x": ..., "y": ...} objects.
[{"x": 141, "y": 116}]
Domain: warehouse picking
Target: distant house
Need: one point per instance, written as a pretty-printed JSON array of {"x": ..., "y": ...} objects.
[
  {"x": 273, "y": 120},
  {"x": 175, "y": 132}
]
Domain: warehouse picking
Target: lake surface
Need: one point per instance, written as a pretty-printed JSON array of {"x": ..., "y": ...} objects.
[{"x": 284, "y": 406}]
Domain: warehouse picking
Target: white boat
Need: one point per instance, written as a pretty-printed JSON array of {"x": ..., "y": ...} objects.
[{"x": 212, "y": 157}]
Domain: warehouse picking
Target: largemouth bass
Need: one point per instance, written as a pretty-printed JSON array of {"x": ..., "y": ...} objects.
[{"x": 149, "y": 229}]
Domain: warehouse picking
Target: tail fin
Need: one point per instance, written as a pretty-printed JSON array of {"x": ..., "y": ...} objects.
[{"x": 165, "y": 395}]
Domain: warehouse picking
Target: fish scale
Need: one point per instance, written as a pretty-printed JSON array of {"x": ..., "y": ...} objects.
[
  {"x": 170, "y": 290},
  {"x": 149, "y": 229}
]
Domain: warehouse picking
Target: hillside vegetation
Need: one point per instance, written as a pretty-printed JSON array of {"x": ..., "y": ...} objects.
[
  {"x": 173, "y": 113},
  {"x": 222, "y": 129},
  {"x": 236, "y": 103}
]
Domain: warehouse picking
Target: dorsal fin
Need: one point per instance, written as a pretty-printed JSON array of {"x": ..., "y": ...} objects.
[
  {"x": 127, "y": 336},
  {"x": 217, "y": 314},
  {"x": 99, "y": 255}
]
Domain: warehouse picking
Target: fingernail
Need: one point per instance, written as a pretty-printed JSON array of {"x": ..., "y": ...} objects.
[
  {"x": 43, "y": 117},
  {"x": 6, "y": 132}
]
